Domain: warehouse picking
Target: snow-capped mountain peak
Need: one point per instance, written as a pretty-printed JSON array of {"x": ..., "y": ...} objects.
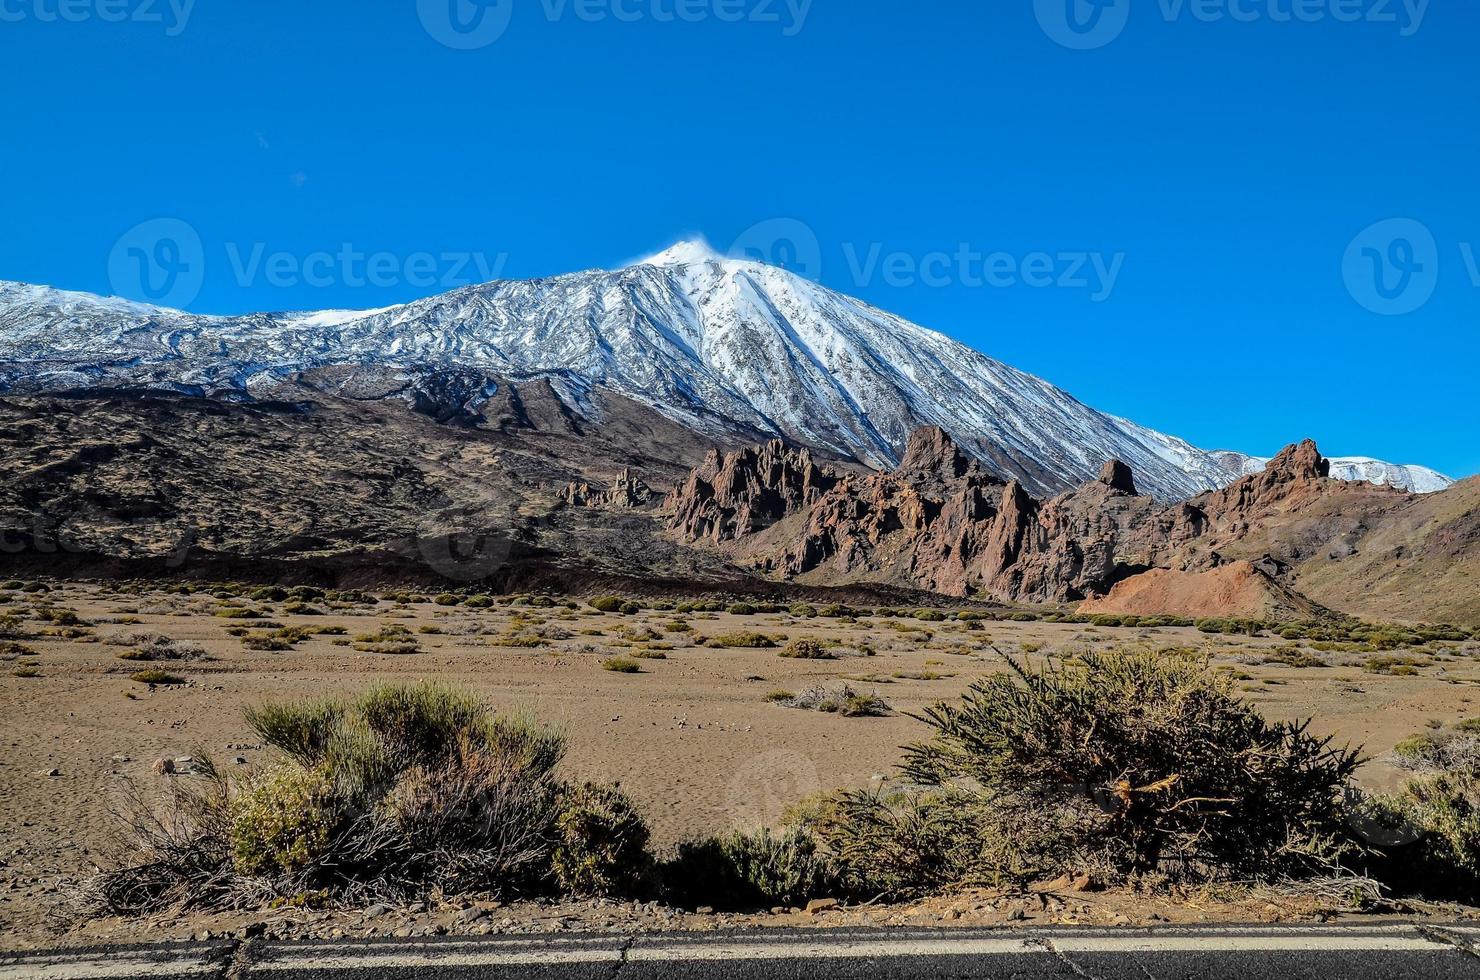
[
  {"x": 719, "y": 345},
  {"x": 691, "y": 252}
]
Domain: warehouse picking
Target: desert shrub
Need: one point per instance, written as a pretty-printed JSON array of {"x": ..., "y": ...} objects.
[
  {"x": 622, "y": 665},
  {"x": 150, "y": 647},
  {"x": 630, "y": 608},
  {"x": 10, "y": 650},
  {"x": 600, "y": 842},
  {"x": 1437, "y": 813},
  {"x": 1125, "y": 762},
  {"x": 57, "y": 616},
  {"x": 750, "y": 871},
  {"x": 388, "y": 794},
  {"x": 741, "y": 609},
  {"x": 447, "y": 599},
  {"x": 607, "y": 604},
  {"x": 803, "y": 611},
  {"x": 806, "y": 649},
  {"x": 1395, "y": 666},
  {"x": 929, "y": 615},
  {"x": 843, "y": 701},
  {"x": 284, "y": 821},
  {"x": 10, "y": 626},
  {"x": 742, "y": 639},
  {"x": 155, "y": 678},
  {"x": 272, "y": 644},
  {"x": 271, "y": 593},
  {"x": 478, "y": 602}
]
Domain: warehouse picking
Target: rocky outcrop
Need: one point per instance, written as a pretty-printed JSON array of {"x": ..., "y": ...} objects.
[
  {"x": 736, "y": 494},
  {"x": 940, "y": 522},
  {"x": 1239, "y": 590},
  {"x": 627, "y": 492},
  {"x": 1118, "y": 476}
]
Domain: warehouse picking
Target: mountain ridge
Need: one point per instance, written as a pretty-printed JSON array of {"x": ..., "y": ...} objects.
[{"x": 718, "y": 344}]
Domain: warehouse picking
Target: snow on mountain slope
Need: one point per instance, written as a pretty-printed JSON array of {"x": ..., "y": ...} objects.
[
  {"x": 1354, "y": 469},
  {"x": 708, "y": 341}
]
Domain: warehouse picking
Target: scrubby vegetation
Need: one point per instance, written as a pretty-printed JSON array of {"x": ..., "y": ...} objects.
[
  {"x": 387, "y": 795},
  {"x": 1126, "y": 767},
  {"x": 843, "y": 701},
  {"x": 749, "y": 871}
]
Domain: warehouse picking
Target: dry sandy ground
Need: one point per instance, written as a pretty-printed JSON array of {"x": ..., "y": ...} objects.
[{"x": 692, "y": 737}]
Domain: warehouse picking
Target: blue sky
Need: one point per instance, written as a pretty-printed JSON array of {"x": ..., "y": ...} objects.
[{"x": 1177, "y": 207}]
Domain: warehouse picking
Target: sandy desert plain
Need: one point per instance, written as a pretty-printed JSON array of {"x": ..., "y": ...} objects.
[{"x": 696, "y": 735}]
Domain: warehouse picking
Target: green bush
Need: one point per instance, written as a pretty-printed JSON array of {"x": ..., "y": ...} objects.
[
  {"x": 392, "y": 793},
  {"x": 750, "y": 871},
  {"x": 929, "y": 615},
  {"x": 807, "y": 650},
  {"x": 284, "y": 821},
  {"x": 600, "y": 842},
  {"x": 741, "y": 609},
  {"x": 155, "y": 678},
  {"x": 478, "y": 601},
  {"x": 1127, "y": 762},
  {"x": 742, "y": 639},
  {"x": 622, "y": 665},
  {"x": 447, "y": 599}
]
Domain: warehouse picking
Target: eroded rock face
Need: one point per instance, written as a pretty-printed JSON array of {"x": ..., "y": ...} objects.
[
  {"x": 735, "y": 494},
  {"x": 627, "y": 492},
  {"x": 940, "y": 522}
]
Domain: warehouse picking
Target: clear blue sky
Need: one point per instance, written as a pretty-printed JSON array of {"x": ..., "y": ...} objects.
[{"x": 1230, "y": 163}]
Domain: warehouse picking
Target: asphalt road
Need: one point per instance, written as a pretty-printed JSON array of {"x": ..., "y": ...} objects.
[{"x": 1388, "y": 952}]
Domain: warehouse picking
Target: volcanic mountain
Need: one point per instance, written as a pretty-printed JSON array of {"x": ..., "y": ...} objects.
[{"x": 734, "y": 351}]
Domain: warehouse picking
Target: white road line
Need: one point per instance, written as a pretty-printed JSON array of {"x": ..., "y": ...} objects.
[
  {"x": 822, "y": 950},
  {"x": 1246, "y": 944},
  {"x": 282, "y": 958},
  {"x": 427, "y": 958},
  {"x": 106, "y": 967}
]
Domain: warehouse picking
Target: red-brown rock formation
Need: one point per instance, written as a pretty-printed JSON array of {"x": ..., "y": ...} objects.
[{"x": 940, "y": 522}]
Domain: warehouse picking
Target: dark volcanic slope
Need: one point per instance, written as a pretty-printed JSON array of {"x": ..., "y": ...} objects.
[{"x": 364, "y": 487}]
